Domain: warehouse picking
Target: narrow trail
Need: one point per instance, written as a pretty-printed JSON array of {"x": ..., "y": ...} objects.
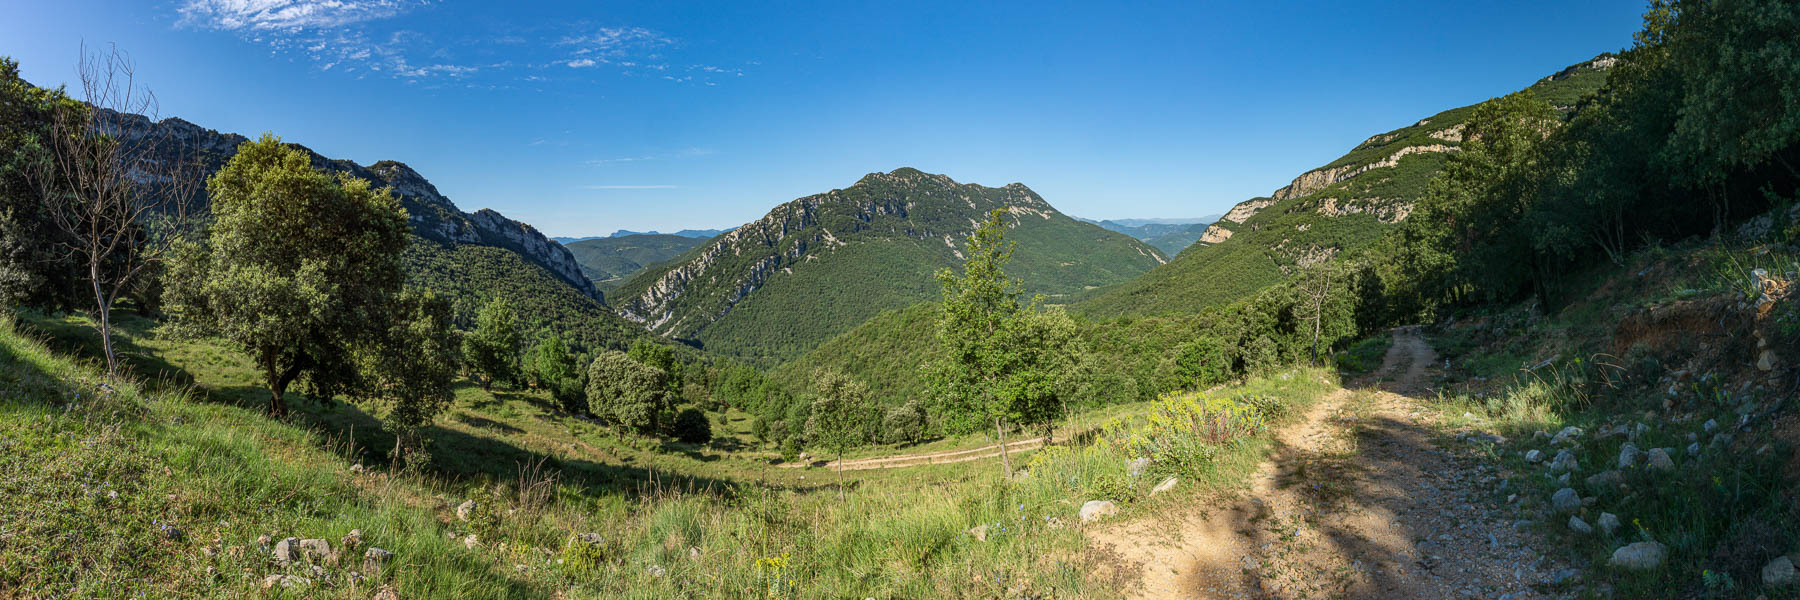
[
  {"x": 929, "y": 458},
  {"x": 1355, "y": 501}
]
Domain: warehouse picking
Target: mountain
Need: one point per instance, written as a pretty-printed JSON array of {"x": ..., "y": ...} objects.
[
  {"x": 609, "y": 261},
  {"x": 1169, "y": 235},
  {"x": 687, "y": 233},
  {"x": 1346, "y": 204},
  {"x": 814, "y": 267},
  {"x": 468, "y": 257}
]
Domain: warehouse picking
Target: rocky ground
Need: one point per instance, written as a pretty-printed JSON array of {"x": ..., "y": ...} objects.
[{"x": 1356, "y": 501}]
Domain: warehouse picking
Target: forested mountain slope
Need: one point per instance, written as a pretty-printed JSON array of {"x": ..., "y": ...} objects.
[
  {"x": 817, "y": 266},
  {"x": 469, "y": 257},
  {"x": 1344, "y": 205},
  {"x": 610, "y": 261}
]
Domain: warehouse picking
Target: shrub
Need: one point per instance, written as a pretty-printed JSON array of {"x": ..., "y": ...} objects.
[
  {"x": 1199, "y": 364},
  {"x": 691, "y": 426},
  {"x": 904, "y": 424}
]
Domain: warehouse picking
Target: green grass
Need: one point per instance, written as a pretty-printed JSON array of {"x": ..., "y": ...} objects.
[
  {"x": 189, "y": 446},
  {"x": 1364, "y": 356}
]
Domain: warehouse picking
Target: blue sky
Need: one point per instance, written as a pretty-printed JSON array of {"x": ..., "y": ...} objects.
[{"x": 586, "y": 117}]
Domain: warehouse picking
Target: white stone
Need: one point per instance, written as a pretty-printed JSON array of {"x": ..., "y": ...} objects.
[
  {"x": 1641, "y": 556},
  {"x": 1095, "y": 509}
]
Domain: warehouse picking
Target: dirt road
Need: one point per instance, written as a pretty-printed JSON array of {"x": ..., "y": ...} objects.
[{"x": 1356, "y": 501}]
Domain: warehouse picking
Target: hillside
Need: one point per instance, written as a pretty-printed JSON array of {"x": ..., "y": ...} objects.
[
  {"x": 1342, "y": 206},
  {"x": 812, "y": 268},
  {"x": 609, "y": 261},
  {"x": 469, "y": 257},
  {"x": 1169, "y": 235}
]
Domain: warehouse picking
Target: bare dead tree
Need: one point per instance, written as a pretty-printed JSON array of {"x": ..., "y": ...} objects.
[
  {"x": 1313, "y": 291},
  {"x": 118, "y": 186}
]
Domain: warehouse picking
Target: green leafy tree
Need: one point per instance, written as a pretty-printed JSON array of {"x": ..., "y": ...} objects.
[
  {"x": 33, "y": 272},
  {"x": 1739, "y": 64},
  {"x": 628, "y": 393},
  {"x": 660, "y": 356},
  {"x": 999, "y": 361},
  {"x": 691, "y": 426},
  {"x": 298, "y": 271},
  {"x": 409, "y": 372},
  {"x": 904, "y": 424},
  {"x": 492, "y": 350},
  {"x": 554, "y": 368},
  {"x": 1199, "y": 364},
  {"x": 837, "y": 417}
]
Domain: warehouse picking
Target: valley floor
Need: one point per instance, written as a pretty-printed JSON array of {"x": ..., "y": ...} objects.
[{"x": 1355, "y": 500}]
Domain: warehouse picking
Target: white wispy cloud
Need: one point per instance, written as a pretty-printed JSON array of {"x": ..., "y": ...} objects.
[
  {"x": 683, "y": 153},
  {"x": 627, "y": 187},
  {"x": 381, "y": 38},
  {"x": 288, "y": 14}
]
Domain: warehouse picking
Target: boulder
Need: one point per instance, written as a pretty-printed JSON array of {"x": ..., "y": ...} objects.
[
  {"x": 1641, "y": 556},
  {"x": 287, "y": 550},
  {"x": 1564, "y": 462},
  {"x": 1780, "y": 573},
  {"x": 315, "y": 548},
  {"x": 1609, "y": 523},
  {"x": 1565, "y": 501},
  {"x": 375, "y": 558},
  {"x": 1605, "y": 480},
  {"x": 1534, "y": 456},
  {"x": 1095, "y": 509},
  {"x": 465, "y": 511},
  {"x": 351, "y": 540},
  {"x": 1166, "y": 485},
  {"x": 1566, "y": 436},
  {"x": 1579, "y": 526},
  {"x": 1628, "y": 455},
  {"x": 1659, "y": 460}
]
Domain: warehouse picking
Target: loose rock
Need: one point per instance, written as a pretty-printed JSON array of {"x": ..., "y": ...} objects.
[
  {"x": 1565, "y": 500},
  {"x": 1659, "y": 460},
  {"x": 285, "y": 582},
  {"x": 1780, "y": 573},
  {"x": 1609, "y": 523},
  {"x": 315, "y": 548},
  {"x": 1534, "y": 456},
  {"x": 1095, "y": 509},
  {"x": 1641, "y": 556},
  {"x": 1579, "y": 526},
  {"x": 287, "y": 550},
  {"x": 980, "y": 532},
  {"x": 1564, "y": 462},
  {"x": 1628, "y": 455},
  {"x": 466, "y": 510},
  {"x": 351, "y": 540},
  {"x": 1693, "y": 449},
  {"x": 375, "y": 558},
  {"x": 1604, "y": 480},
  {"x": 1166, "y": 485},
  {"x": 1567, "y": 435}
]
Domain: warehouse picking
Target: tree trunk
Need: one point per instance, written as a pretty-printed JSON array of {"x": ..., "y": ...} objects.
[
  {"x": 278, "y": 389},
  {"x": 1005, "y": 461},
  {"x": 103, "y": 319}
]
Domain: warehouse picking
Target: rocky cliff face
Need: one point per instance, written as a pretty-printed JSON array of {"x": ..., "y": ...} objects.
[{"x": 434, "y": 216}]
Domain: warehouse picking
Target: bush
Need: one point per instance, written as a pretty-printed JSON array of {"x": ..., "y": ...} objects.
[
  {"x": 904, "y": 424},
  {"x": 691, "y": 426},
  {"x": 1199, "y": 364}
]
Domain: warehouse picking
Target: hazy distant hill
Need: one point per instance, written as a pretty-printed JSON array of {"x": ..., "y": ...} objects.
[
  {"x": 815, "y": 267},
  {"x": 609, "y": 261},
  {"x": 1169, "y": 235}
]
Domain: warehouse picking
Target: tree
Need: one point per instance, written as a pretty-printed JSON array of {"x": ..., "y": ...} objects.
[
  {"x": 299, "y": 269},
  {"x": 999, "y": 361},
  {"x": 904, "y": 424},
  {"x": 35, "y": 270},
  {"x": 1323, "y": 305},
  {"x": 553, "y": 367},
  {"x": 837, "y": 416},
  {"x": 691, "y": 426},
  {"x": 492, "y": 350},
  {"x": 116, "y": 187},
  {"x": 1199, "y": 364},
  {"x": 628, "y": 393},
  {"x": 409, "y": 371},
  {"x": 660, "y": 356}
]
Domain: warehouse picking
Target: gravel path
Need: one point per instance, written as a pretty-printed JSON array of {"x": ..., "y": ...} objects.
[{"x": 1356, "y": 501}]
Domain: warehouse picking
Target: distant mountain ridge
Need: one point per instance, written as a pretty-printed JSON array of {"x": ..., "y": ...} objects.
[
  {"x": 814, "y": 267},
  {"x": 1169, "y": 235},
  {"x": 687, "y": 233}
]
